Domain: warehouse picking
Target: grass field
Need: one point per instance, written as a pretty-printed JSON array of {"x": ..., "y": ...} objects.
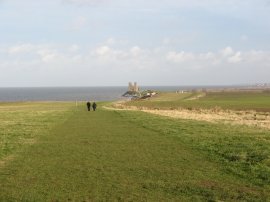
[
  {"x": 258, "y": 101},
  {"x": 22, "y": 123},
  {"x": 110, "y": 155}
]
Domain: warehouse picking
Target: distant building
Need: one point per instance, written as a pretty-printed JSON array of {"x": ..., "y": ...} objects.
[
  {"x": 133, "y": 87},
  {"x": 133, "y": 91}
]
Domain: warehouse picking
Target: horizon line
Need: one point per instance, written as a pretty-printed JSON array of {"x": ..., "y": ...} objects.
[{"x": 195, "y": 85}]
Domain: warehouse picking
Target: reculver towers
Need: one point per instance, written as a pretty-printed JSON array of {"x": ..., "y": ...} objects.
[
  {"x": 133, "y": 87},
  {"x": 133, "y": 90}
]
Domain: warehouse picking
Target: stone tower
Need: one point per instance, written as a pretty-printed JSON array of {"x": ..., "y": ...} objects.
[{"x": 133, "y": 87}]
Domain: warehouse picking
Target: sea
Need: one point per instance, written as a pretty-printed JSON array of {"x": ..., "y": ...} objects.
[{"x": 15, "y": 94}]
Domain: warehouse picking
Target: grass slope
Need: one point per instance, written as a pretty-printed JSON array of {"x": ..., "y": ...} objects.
[
  {"x": 119, "y": 155},
  {"x": 259, "y": 101}
]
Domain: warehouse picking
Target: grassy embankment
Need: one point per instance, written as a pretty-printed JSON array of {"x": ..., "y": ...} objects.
[
  {"x": 259, "y": 101},
  {"x": 127, "y": 155}
]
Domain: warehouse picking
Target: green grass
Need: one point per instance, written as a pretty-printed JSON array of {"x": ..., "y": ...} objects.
[
  {"x": 243, "y": 151},
  {"x": 21, "y": 123},
  {"x": 259, "y": 101},
  {"x": 133, "y": 156}
]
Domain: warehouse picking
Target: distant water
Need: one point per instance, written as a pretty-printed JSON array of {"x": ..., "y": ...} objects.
[
  {"x": 74, "y": 93},
  {"x": 61, "y": 93}
]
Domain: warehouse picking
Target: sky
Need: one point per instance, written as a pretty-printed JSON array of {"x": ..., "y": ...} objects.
[{"x": 153, "y": 42}]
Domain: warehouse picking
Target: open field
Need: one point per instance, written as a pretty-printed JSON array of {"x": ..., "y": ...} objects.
[
  {"x": 235, "y": 108},
  {"x": 258, "y": 101},
  {"x": 22, "y": 123},
  {"x": 112, "y": 155}
]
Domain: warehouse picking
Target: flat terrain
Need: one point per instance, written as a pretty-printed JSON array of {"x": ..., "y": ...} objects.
[
  {"x": 110, "y": 155},
  {"x": 22, "y": 123}
]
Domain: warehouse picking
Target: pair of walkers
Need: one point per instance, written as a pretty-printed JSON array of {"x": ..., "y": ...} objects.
[{"x": 94, "y": 106}]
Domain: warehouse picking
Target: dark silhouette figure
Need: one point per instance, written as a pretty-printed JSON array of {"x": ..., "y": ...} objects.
[
  {"x": 88, "y": 106},
  {"x": 94, "y": 106}
]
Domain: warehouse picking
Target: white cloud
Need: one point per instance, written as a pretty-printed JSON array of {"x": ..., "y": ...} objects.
[
  {"x": 48, "y": 55},
  {"x": 21, "y": 48},
  {"x": 236, "y": 58},
  {"x": 227, "y": 51},
  {"x": 102, "y": 51},
  {"x": 105, "y": 53},
  {"x": 135, "y": 51},
  {"x": 257, "y": 57},
  {"x": 162, "y": 66},
  {"x": 74, "y": 48},
  {"x": 179, "y": 57},
  {"x": 219, "y": 59}
]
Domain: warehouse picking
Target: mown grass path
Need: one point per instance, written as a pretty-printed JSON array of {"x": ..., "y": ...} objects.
[{"x": 103, "y": 156}]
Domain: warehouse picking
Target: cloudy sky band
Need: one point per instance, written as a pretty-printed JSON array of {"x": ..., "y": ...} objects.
[{"x": 65, "y": 42}]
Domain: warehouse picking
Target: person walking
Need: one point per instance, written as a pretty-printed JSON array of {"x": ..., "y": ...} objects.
[
  {"x": 94, "y": 106},
  {"x": 88, "y": 106}
]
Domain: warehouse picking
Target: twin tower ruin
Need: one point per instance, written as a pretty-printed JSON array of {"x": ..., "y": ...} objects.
[
  {"x": 133, "y": 91},
  {"x": 133, "y": 87}
]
